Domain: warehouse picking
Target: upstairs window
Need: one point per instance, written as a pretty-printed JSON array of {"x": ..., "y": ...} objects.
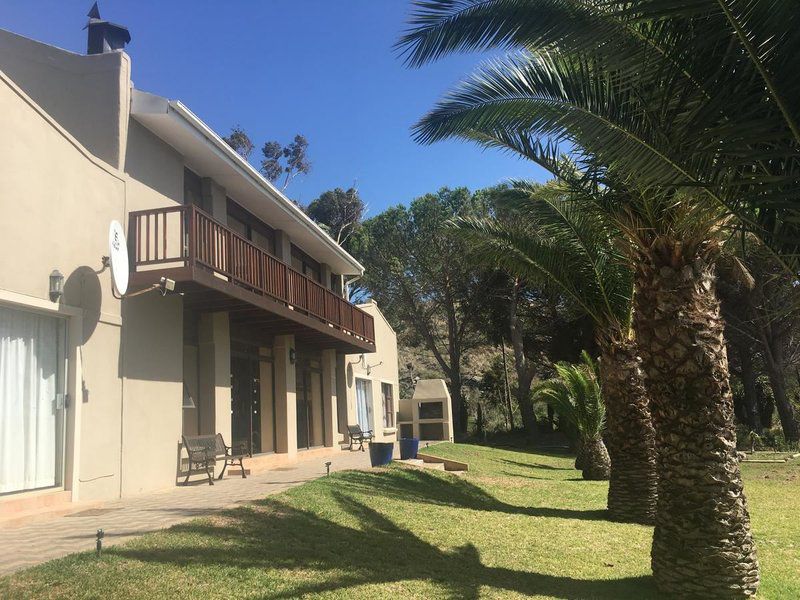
[
  {"x": 305, "y": 264},
  {"x": 192, "y": 189},
  {"x": 251, "y": 227}
]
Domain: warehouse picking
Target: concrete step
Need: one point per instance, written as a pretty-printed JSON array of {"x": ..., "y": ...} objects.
[
  {"x": 421, "y": 464},
  {"x": 454, "y": 466}
]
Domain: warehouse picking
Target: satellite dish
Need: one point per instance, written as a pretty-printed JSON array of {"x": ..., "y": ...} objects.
[{"x": 118, "y": 251}]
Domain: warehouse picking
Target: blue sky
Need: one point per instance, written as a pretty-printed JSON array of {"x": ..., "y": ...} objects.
[{"x": 323, "y": 68}]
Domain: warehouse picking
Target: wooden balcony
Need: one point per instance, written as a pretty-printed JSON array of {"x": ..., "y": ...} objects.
[{"x": 217, "y": 269}]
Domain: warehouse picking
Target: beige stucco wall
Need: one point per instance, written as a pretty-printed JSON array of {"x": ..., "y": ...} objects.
[
  {"x": 57, "y": 201},
  {"x": 152, "y": 367},
  {"x": 154, "y": 169},
  {"x": 383, "y": 368},
  {"x": 44, "y": 175},
  {"x": 88, "y": 95}
]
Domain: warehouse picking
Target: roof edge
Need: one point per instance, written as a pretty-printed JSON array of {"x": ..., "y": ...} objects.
[{"x": 152, "y": 103}]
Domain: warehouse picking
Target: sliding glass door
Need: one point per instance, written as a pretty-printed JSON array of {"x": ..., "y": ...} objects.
[
  {"x": 32, "y": 401},
  {"x": 364, "y": 404}
]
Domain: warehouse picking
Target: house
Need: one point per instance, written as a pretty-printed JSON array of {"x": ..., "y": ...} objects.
[{"x": 235, "y": 319}]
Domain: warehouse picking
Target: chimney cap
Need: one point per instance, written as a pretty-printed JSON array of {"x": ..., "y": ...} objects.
[
  {"x": 94, "y": 12},
  {"x": 104, "y": 36}
]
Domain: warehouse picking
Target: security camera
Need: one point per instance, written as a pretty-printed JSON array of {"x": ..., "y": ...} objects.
[{"x": 167, "y": 285}]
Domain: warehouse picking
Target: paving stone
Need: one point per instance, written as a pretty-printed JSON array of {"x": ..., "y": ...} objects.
[{"x": 26, "y": 545}]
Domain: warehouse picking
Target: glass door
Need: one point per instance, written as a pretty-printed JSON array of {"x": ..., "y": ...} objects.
[
  {"x": 303, "y": 433},
  {"x": 32, "y": 400},
  {"x": 245, "y": 402}
]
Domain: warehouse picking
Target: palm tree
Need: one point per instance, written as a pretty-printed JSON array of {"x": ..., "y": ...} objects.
[
  {"x": 541, "y": 233},
  {"x": 656, "y": 128},
  {"x": 575, "y": 395}
]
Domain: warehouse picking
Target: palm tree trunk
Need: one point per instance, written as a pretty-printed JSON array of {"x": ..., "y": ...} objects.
[
  {"x": 702, "y": 545},
  {"x": 630, "y": 436},
  {"x": 580, "y": 456},
  {"x": 597, "y": 464}
]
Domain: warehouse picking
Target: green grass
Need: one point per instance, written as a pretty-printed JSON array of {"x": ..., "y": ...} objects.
[{"x": 519, "y": 524}]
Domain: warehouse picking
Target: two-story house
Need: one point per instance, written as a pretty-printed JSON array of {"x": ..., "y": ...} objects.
[{"x": 256, "y": 341}]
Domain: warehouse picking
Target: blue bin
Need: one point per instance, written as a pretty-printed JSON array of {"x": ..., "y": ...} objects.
[
  {"x": 408, "y": 448},
  {"x": 380, "y": 453}
]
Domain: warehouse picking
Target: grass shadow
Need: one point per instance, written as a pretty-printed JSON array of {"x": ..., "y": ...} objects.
[
  {"x": 275, "y": 534},
  {"x": 423, "y": 487},
  {"x": 517, "y": 463}
]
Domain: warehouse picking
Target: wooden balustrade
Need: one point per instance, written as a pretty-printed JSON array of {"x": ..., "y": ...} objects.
[{"x": 187, "y": 236}]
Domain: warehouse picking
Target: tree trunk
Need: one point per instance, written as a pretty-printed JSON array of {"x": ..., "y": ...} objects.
[
  {"x": 507, "y": 388},
  {"x": 749, "y": 386},
  {"x": 597, "y": 464},
  {"x": 702, "y": 544},
  {"x": 526, "y": 406},
  {"x": 777, "y": 379},
  {"x": 458, "y": 406},
  {"x": 522, "y": 366},
  {"x": 630, "y": 436}
]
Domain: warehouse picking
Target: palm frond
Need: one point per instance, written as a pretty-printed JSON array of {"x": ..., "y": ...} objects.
[
  {"x": 697, "y": 94},
  {"x": 542, "y": 234},
  {"x": 576, "y": 395}
]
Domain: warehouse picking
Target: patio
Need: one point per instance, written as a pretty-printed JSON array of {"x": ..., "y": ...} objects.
[{"x": 27, "y": 544}]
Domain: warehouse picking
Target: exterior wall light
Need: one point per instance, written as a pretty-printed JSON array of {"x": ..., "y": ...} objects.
[
  {"x": 292, "y": 356},
  {"x": 56, "y": 285}
]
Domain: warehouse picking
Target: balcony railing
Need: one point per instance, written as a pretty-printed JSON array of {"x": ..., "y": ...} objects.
[{"x": 187, "y": 236}]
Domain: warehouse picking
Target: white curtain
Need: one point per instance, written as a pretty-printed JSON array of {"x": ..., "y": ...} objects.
[
  {"x": 363, "y": 404},
  {"x": 28, "y": 412}
]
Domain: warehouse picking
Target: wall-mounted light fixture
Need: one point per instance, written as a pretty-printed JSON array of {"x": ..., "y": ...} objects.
[
  {"x": 370, "y": 367},
  {"x": 56, "y": 285},
  {"x": 292, "y": 356}
]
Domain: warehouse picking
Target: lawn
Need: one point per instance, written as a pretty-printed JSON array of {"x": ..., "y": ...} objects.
[{"x": 519, "y": 524}]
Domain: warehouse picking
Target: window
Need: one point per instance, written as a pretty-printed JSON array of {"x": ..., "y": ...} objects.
[
  {"x": 251, "y": 227},
  {"x": 388, "y": 404},
  {"x": 305, "y": 264},
  {"x": 192, "y": 189}
]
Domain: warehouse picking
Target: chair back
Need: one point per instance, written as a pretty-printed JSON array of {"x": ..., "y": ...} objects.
[
  {"x": 354, "y": 429},
  {"x": 200, "y": 443}
]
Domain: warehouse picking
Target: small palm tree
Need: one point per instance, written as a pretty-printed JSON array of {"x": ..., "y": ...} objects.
[
  {"x": 547, "y": 233},
  {"x": 575, "y": 394}
]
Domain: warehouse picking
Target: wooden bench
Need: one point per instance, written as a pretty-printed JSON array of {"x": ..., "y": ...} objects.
[
  {"x": 357, "y": 436},
  {"x": 205, "y": 450}
]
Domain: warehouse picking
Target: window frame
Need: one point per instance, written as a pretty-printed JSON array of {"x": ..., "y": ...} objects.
[{"x": 389, "y": 420}]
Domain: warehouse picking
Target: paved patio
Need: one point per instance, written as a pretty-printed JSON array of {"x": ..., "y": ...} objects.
[{"x": 27, "y": 545}]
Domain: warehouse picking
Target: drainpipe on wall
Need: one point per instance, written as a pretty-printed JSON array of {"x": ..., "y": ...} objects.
[{"x": 346, "y": 285}]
